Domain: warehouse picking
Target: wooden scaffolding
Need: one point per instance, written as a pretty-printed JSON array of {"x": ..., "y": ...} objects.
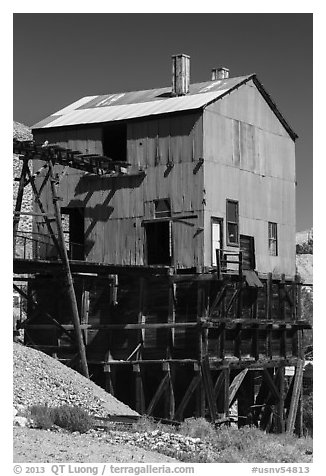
[{"x": 169, "y": 343}]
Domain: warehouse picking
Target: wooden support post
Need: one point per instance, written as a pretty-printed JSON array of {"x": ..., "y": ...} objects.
[
  {"x": 269, "y": 296},
  {"x": 255, "y": 342},
  {"x": 84, "y": 313},
  {"x": 281, "y": 297},
  {"x": 218, "y": 299},
  {"x": 299, "y": 299},
  {"x": 254, "y": 308},
  {"x": 280, "y": 407},
  {"x": 231, "y": 302},
  {"x": 209, "y": 389},
  {"x": 296, "y": 392},
  {"x": 294, "y": 299},
  {"x": 283, "y": 341},
  {"x": 200, "y": 401},
  {"x": 222, "y": 340},
  {"x": 268, "y": 341},
  {"x": 69, "y": 281},
  {"x": 299, "y": 417},
  {"x": 141, "y": 332},
  {"x": 159, "y": 392},
  {"x": 219, "y": 384},
  {"x": 171, "y": 319},
  {"x": 239, "y": 301},
  {"x": 246, "y": 400},
  {"x": 226, "y": 391},
  {"x": 139, "y": 390},
  {"x": 169, "y": 394},
  {"x": 237, "y": 341},
  {"x": 109, "y": 378},
  {"x": 189, "y": 392},
  {"x": 235, "y": 385}
]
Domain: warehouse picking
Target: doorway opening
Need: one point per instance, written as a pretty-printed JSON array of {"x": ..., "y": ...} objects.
[
  {"x": 114, "y": 141},
  {"x": 247, "y": 246},
  {"x": 159, "y": 242},
  {"x": 73, "y": 230},
  {"x": 217, "y": 237}
]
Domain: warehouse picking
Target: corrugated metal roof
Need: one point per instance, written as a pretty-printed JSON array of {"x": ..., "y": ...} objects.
[
  {"x": 131, "y": 111},
  {"x": 130, "y": 105}
]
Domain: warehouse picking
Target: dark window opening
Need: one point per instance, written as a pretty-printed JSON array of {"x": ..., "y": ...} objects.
[
  {"x": 162, "y": 208},
  {"x": 159, "y": 243},
  {"x": 272, "y": 239},
  {"x": 73, "y": 231},
  {"x": 232, "y": 222},
  {"x": 114, "y": 142}
]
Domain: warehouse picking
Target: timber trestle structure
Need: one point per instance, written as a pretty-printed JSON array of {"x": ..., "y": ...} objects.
[{"x": 170, "y": 343}]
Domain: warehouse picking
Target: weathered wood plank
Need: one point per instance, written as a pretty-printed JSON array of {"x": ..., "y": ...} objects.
[{"x": 295, "y": 397}]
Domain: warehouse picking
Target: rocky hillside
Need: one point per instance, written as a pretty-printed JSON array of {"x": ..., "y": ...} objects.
[
  {"x": 304, "y": 258},
  {"x": 22, "y": 132},
  {"x": 39, "y": 379}
]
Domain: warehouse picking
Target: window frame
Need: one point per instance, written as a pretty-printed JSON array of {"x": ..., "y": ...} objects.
[
  {"x": 236, "y": 223},
  {"x": 272, "y": 238}
]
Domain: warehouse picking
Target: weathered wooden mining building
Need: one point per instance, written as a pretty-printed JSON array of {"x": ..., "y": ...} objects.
[{"x": 164, "y": 248}]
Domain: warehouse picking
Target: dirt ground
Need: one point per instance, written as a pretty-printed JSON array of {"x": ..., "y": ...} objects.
[{"x": 41, "y": 446}]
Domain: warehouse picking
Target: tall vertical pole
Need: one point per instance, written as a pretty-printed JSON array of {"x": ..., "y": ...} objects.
[
  {"x": 19, "y": 200},
  {"x": 70, "y": 286}
]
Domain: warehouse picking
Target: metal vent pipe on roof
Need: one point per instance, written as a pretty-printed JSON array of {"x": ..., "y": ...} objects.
[
  {"x": 180, "y": 74},
  {"x": 220, "y": 73}
]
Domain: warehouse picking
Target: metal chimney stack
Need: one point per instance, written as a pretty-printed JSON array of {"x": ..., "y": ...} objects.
[
  {"x": 180, "y": 74},
  {"x": 220, "y": 73}
]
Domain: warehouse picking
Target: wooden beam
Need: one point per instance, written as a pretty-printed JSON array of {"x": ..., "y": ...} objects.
[
  {"x": 269, "y": 296},
  {"x": 233, "y": 298},
  {"x": 209, "y": 389},
  {"x": 235, "y": 385},
  {"x": 171, "y": 317},
  {"x": 169, "y": 393},
  {"x": 35, "y": 305},
  {"x": 271, "y": 385},
  {"x": 218, "y": 299},
  {"x": 280, "y": 407},
  {"x": 139, "y": 390},
  {"x": 219, "y": 384},
  {"x": 47, "y": 221},
  {"x": 237, "y": 341},
  {"x": 68, "y": 276},
  {"x": 297, "y": 385},
  {"x": 189, "y": 392},
  {"x": 159, "y": 392},
  {"x": 226, "y": 391},
  {"x": 109, "y": 377}
]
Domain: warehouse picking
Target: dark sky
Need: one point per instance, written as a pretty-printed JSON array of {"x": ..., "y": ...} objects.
[{"x": 59, "y": 58}]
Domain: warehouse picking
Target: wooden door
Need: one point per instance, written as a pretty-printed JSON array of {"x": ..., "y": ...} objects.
[{"x": 217, "y": 237}]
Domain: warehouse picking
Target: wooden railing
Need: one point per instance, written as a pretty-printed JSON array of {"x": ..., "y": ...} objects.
[{"x": 223, "y": 260}]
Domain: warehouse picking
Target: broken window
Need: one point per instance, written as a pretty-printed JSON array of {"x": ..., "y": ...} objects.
[
  {"x": 162, "y": 208},
  {"x": 232, "y": 222},
  {"x": 272, "y": 239},
  {"x": 114, "y": 141}
]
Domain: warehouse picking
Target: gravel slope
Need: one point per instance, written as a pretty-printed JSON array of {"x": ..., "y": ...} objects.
[
  {"x": 41, "y": 446},
  {"x": 40, "y": 379}
]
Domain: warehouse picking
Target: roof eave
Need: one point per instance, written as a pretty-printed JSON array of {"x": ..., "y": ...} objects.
[
  {"x": 274, "y": 108},
  {"x": 267, "y": 98}
]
